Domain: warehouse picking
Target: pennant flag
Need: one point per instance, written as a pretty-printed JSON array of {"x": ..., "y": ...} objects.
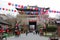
[
  {"x": 50, "y": 11},
  {"x": 3, "y": 8},
  {"x": 22, "y": 6},
  {"x": 14, "y": 10},
  {"x": 12, "y": 4},
  {"x": 54, "y": 11},
  {"x": 39, "y": 9},
  {"x": 9, "y": 9},
  {"x": 25, "y": 7},
  {"x": 0, "y": 8},
  {"x": 16, "y": 5},
  {"x": 19, "y": 6},
  {"x": 6, "y": 9},
  {"x": 57, "y": 11},
  {"x": 9, "y": 3},
  {"x": 28, "y": 7}
]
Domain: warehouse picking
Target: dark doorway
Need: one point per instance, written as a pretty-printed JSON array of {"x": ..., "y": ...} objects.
[{"x": 32, "y": 26}]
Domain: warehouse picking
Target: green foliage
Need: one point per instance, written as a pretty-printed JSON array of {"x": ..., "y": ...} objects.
[{"x": 51, "y": 28}]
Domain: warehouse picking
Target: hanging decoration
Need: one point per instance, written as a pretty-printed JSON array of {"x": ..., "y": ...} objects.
[
  {"x": 25, "y": 7},
  {"x": 3, "y": 8},
  {"x": 53, "y": 11},
  {"x": 14, "y": 10},
  {"x": 28, "y": 7},
  {"x": 0, "y": 8},
  {"x": 16, "y": 5},
  {"x": 9, "y": 3},
  {"x": 22, "y": 6},
  {"x": 8, "y": 9}
]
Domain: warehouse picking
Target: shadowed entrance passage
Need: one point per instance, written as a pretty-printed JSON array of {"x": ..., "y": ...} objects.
[{"x": 32, "y": 26}]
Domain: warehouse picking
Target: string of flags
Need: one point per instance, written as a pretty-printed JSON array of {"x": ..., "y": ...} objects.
[
  {"x": 5, "y": 9},
  {"x": 27, "y": 7},
  {"x": 22, "y": 7},
  {"x": 53, "y": 11}
]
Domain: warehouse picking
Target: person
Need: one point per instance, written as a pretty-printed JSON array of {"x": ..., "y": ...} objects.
[
  {"x": 37, "y": 31},
  {"x": 1, "y": 33}
]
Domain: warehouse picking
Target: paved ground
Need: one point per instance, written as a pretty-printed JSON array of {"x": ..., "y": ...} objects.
[{"x": 30, "y": 36}]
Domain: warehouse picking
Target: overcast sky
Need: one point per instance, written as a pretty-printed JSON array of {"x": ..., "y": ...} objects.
[{"x": 53, "y": 4}]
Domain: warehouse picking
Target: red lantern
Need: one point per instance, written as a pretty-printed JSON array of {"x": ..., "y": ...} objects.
[
  {"x": 3, "y": 8},
  {"x": 9, "y": 3}
]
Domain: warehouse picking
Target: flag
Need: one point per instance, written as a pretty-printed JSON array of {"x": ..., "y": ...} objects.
[
  {"x": 16, "y": 5},
  {"x": 14, "y": 10},
  {"x": 25, "y": 7},
  {"x": 12, "y": 4},
  {"x": 19, "y": 6},
  {"x": 9, "y": 9},
  {"x": 54, "y": 11},
  {"x": 0, "y": 8},
  {"x": 6, "y": 9}
]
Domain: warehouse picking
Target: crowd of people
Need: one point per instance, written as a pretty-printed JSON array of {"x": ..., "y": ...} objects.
[{"x": 16, "y": 31}]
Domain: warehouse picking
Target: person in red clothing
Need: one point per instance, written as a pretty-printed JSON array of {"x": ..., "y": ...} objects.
[
  {"x": 1, "y": 33},
  {"x": 18, "y": 33},
  {"x": 7, "y": 30},
  {"x": 41, "y": 31}
]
